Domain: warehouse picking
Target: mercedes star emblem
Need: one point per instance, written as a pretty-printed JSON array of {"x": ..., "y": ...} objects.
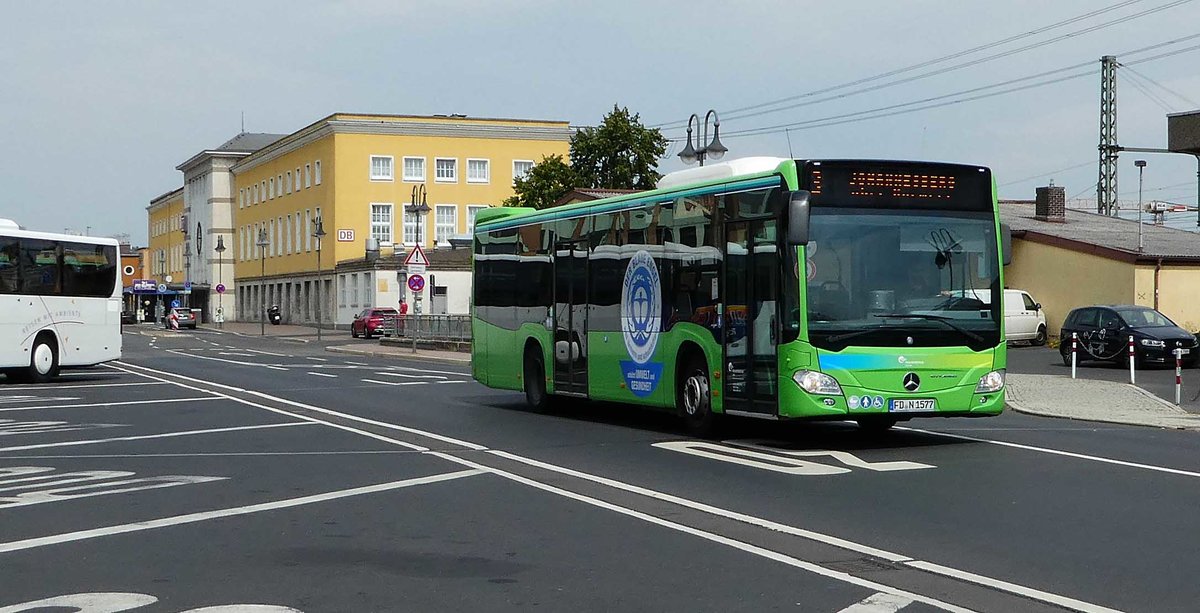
[{"x": 912, "y": 382}]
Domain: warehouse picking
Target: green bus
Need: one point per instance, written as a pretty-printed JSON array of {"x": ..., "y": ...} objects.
[{"x": 690, "y": 297}]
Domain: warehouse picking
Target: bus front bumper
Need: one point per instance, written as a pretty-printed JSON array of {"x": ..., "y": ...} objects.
[{"x": 857, "y": 402}]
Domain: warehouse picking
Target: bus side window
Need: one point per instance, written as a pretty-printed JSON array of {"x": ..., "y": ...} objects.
[{"x": 10, "y": 261}]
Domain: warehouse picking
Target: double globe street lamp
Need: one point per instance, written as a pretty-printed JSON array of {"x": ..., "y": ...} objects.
[
  {"x": 700, "y": 151},
  {"x": 263, "y": 242},
  {"x": 319, "y": 234}
]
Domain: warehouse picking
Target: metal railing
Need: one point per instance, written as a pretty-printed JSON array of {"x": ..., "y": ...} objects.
[{"x": 428, "y": 327}]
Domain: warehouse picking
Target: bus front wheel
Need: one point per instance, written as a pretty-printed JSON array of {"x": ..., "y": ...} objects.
[
  {"x": 694, "y": 400},
  {"x": 535, "y": 382}
]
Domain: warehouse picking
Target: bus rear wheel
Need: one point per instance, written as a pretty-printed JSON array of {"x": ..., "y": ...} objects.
[
  {"x": 535, "y": 381},
  {"x": 693, "y": 399},
  {"x": 43, "y": 361}
]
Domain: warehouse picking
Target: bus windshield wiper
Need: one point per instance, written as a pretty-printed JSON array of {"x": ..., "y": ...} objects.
[
  {"x": 946, "y": 320},
  {"x": 837, "y": 338}
]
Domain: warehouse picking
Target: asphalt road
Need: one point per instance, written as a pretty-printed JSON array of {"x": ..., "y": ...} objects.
[{"x": 212, "y": 470}]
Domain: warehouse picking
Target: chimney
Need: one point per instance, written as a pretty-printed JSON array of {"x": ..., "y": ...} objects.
[{"x": 1051, "y": 204}]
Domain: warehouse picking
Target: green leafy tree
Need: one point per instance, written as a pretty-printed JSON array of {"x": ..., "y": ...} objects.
[
  {"x": 546, "y": 182},
  {"x": 620, "y": 153}
]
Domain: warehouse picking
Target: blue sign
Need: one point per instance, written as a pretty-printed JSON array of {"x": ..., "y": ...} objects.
[
  {"x": 174, "y": 304},
  {"x": 416, "y": 282},
  {"x": 187, "y": 286},
  {"x": 641, "y": 322},
  {"x": 144, "y": 286},
  {"x": 162, "y": 288}
]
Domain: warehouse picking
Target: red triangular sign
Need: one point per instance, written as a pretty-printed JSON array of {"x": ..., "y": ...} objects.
[{"x": 416, "y": 257}]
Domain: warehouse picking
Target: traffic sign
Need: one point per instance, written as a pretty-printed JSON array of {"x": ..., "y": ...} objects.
[
  {"x": 187, "y": 286},
  {"x": 174, "y": 304},
  {"x": 220, "y": 288},
  {"x": 415, "y": 262},
  {"x": 416, "y": 282},
  {"x": 162, "y": 288}
]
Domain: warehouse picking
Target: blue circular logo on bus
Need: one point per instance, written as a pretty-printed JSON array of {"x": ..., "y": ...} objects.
[{"x": 641, "y": 307}]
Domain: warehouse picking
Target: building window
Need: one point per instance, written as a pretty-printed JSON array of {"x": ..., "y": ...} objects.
[
  {"x": 381, "y": 223},
  {"x": 297, "y": 178},
  {"x": 307, "y": 175},
  {"x": 317, "y": 172},
  {"x": 289, "y": 182},
  {"x": 271, "y": 189},
  {"x": 445, "y": 170},
  {"x": 342, "y": 292},
  {"x": 410, "y": 228},
  {"x": 353, "y": 290},
  {"x": 381, "y": 168},
  {"x": 478, "y": 171},
  {"x": 446, "y": 223},
  {"x": 472, "y": 210},
  {"x": 279, "y": 185},
  {"x": 262, "y": 190},
  {"x": 241, "y": 198},
  {"x": 308, "y": 230},
  {"x": 521, "y": 169},
  {"x": 414, "y": 169},
  {"x": 287, "y": 236}
]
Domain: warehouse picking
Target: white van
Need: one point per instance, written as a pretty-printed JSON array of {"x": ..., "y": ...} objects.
[{"x": 1023, "y": 318}]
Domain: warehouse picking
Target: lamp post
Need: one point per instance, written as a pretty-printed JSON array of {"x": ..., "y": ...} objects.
[
  {"x": 187, "y": 261},
  {"x": 1141, "y": 165},
  {"x": 418, "y": 208},
  {"x": 318, "y": 234},
  {"x": 262, "y": 243},
  {"x": 220, "y": 249},
  {"x": 714, "y": 149},
  {"x": 162, "y": 271}
]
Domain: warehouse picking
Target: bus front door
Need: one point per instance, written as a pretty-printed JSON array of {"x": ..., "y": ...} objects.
[
  {"x": 751, "y": 330},
  {"x": 570, "y": 317}
]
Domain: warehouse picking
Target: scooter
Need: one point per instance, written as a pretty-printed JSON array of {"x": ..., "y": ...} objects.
[{"x": 273, "y": 315}]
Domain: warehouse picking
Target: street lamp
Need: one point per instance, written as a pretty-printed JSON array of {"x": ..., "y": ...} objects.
[
  {"x": 1141, "y": 165},
  {"x": 220, "y": 249},
  {"x": 263, "y": 242},
  {"x": 418, "y": 208},
  {"x": 714, "y": 149},
  {"x": 162, "y": 271},
  {"x": 187, "y": 261},
  {"x": 318, "y": 234}
]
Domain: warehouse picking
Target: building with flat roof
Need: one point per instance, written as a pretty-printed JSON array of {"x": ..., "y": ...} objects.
[
  {"x": 1068, "y": 258},
  {"x": 358, "y": 174}
]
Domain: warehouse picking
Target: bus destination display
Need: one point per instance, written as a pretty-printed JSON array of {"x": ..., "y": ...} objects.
[{"x": 937, "y": 186}]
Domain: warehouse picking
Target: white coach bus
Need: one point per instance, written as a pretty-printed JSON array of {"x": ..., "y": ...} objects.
[{"x": 60, "y": 302}]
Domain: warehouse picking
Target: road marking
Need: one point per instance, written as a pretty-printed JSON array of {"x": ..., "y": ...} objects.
[
  {"x": 228, "y": 454},
  {"x": 710, "y": 536},
  {"x": 400, "y": 374},
  {"x": 397, "y": 382},
  {"x": 321, "y": 374},
  {"x": 1027, "y": 592},
  {"x": 24, "y": 399},
  {"x": 878, "y": 603},
  {"x": 240, "y": 355},
  {"x": 50, "y": 486},
  {"x": 282, "y": 355},
  {"x": 190, "y": 518},
  {"x": 11, "y": 427},
  {"x": 116, "y": 602},
  {"x": 276, "y": 368},
  {"x": 436, "y": 372},
  {"x": 844, "y": 457},
  {"x": 109, "y": 404},
  {"x": 71, "y": 387},
  {"x": 318, "y": 359},
  {"x": 357, "y": 363},
  {"x": 754, "y": 459},
  {"x": 143, "y": 437},
  {"x": 1068, "y": 454}
]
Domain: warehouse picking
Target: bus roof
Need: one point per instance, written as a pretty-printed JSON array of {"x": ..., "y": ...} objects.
[
  {"x": 9, "y": 227},
  {"x": 692, "y": 178}
]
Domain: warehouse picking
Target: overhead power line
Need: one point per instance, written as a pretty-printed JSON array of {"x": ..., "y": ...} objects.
[
  {"x": 1159, "y": 85},
  {"x": 1049, "y": 174},
  {"x": 740, "y": 113}
]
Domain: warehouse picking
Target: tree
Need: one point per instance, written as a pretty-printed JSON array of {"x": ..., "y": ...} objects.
[
  {"x": 546, "y": 182},
  {"x": 620, "y": 153}
]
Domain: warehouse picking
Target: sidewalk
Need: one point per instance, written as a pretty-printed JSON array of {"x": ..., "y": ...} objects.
[{"x": 1092, "y": 400}]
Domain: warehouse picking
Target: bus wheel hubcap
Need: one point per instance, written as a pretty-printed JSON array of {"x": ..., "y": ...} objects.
[
  {"x": 695, "y": 390},
  {"x": 43, "y": 359}
]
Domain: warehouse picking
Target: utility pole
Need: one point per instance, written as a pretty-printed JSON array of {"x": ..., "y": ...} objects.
[{"x": 1106, "y": 187}]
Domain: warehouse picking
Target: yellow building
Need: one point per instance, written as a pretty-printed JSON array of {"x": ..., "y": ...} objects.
[
  {"x": 1067, "y": 259},
  {"x": 358, "y": 174},
  {"x": 165, "y": 260}
]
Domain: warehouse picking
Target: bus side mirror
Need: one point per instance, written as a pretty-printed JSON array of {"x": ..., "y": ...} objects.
[
  {"x": 798, "y": 216},
  {"x": 1006, "y": 243}
]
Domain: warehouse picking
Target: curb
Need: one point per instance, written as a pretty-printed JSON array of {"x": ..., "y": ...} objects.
[
  {"x": 407, "y": 356},
  {"x": 1008, "y": 402}
]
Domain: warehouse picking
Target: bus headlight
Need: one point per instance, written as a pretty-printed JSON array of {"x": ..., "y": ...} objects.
[
  {"x": 991, "y": 382},
  {"x": 815, "y": 382}
]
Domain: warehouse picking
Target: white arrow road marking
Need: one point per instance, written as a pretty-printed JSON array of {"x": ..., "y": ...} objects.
[
  {"x": 879, "y": 603},
  {"x": 844, "y": 457},
  {"x": 747, "y": 457},
  {"x": 21, "y": 399},
  {"x": 98, "y": 602},
  {"x": 9, "y": 427}
]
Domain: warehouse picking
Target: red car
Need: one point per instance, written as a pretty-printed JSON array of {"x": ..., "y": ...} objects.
[{"x": 374, "y": 320}]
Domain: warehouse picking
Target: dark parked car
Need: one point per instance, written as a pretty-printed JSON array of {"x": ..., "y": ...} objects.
[
  {"x": 375, "y": 320},
  {"x": 128, "y": 317},
  {"x": 1104, "y": 333}
]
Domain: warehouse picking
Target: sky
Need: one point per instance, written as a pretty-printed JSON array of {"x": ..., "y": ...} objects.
[{"x": 102, "y": 100}]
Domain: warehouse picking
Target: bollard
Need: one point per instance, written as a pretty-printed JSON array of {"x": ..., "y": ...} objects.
[
  {"x": 1132, "y": 359},
  {"x": 1178, "y": 373},
  {"x": 1074, "y": 352}
]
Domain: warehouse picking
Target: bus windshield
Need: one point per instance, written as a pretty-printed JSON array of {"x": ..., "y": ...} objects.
[{"x": 889, "y": 278}]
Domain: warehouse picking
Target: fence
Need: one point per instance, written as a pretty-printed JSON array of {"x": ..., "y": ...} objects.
[{"x": 456, "y": 328}]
